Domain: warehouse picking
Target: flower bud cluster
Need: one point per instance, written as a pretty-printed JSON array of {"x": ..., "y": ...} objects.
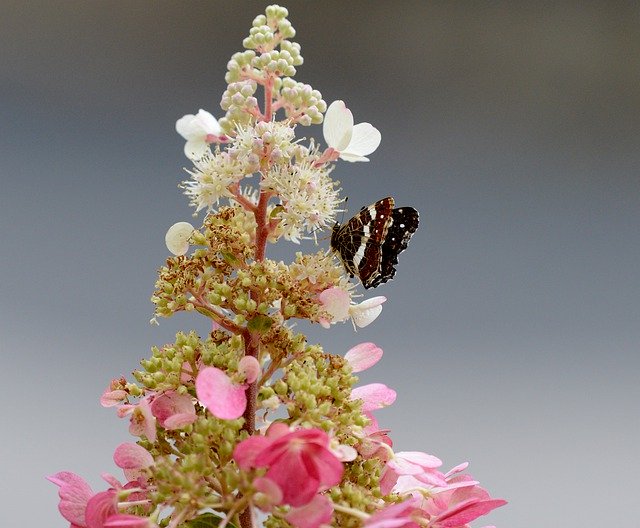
[
  {"x": 301, "y": 102},
  {"x": 240, "y": 104},
  {"x": 270, "y": 28}
]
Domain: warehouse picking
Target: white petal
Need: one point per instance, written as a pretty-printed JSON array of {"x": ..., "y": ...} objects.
[
  {"x": 177, "y": 237},
  {"x": 338, "y": 125},
  {"x": 346, "y": 156},
  {"x": 365, "y": 138},
  {"x": 207, "y": 123},
  {"x": 363, "y": 318},
  {"x": 183, "y": 125},
  {"x": 194, "y": 149}
]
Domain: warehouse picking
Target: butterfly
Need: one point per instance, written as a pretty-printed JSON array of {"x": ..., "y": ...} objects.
[{"x": 369, "y": 243}]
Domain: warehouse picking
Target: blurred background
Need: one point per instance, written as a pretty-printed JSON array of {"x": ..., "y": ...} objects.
[{"x": 511, "y": 331}]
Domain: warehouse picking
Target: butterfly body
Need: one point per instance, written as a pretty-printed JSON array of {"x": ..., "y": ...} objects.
[{"x": 369, "y": 243}]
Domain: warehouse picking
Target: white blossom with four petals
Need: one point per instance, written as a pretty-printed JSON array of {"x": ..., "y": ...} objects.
[
  {"x": 199, "y": 130},
  {"x": 353, "y": 142}
]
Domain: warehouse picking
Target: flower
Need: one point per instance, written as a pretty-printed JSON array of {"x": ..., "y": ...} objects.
[
  {"x": 299, "y": 462},
  {"x": 224, "y": 398},
  {"x": 173, "y": 410},
  {"x": 199, "y": 130},
  {"x": 455, "y": 508},
  {"x": 415, "y": 463},
  {"x": 352, "y": 142},
  {"x": 337, "y": 303},
  {"x": 177, "y": 237},
  {"x": 132, "y": 459}
]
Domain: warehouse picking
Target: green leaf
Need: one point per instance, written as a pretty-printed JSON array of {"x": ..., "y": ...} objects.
[
  {"x": 230, "y": 258},
  {"x": 260, "y": 323},
  {"x": 206, "y": 520}
]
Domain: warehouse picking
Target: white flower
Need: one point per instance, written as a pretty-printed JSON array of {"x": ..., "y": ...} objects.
[
  {"x": 177, "y": 237},
  {"x": 336, "y": 302},
  {"x": 353, "y": 142},
  {"x": 366, "y": 312},
  {"x": 198, "y": 131},
  {"x": 211, "y": 178}
]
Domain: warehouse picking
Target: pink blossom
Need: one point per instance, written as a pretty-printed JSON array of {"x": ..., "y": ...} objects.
[
  {"x": 74, "y": 494},
  {"x": 363, "y": 356},
  {"x": 415, "y": 463},
  {"x": 456, "y": 507},
  {"x": 395, "y": 516},
  {"x": 300, "y": 462},
  {"x": 218, "y": 393},
  {"x": 173, "y": 410},
  {"x": 143, "y": 423},
  {"x": 312, "y": 515},
  {"x": 374, "y": 396}
]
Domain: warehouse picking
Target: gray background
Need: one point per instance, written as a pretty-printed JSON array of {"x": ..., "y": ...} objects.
[{"x": 511, "y": 332}]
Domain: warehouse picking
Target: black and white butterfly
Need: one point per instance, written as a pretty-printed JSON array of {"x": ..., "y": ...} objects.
[{"x": 369, "y": 244}]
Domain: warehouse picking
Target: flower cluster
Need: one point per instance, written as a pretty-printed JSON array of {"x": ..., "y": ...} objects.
[{"x": 251, "y": 417}]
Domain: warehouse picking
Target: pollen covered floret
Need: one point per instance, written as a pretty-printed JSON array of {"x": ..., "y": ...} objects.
[
  {"x": 211, "y": 178},
  {"x": 309, "y": 198},
  {"x": 273, "y": 140}
]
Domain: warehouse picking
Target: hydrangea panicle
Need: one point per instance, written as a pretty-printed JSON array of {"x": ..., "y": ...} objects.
[{"x": 251, "y": 416}]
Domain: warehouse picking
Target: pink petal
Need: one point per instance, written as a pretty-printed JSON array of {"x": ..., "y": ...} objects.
[
  {"x": 336, "y": 302},
  {"x": 374, "y": 396},
  {"x": 250, "y": 368},
  {"x": 420, "y": 458},
  {"x": 466, "y": 512},
  {"x": 223, "y": 398},
  {"x": 99, "y": 508},
  {"x": 363, "y": 356},
  {"x": 170, "y": 404},
  {"x": 122, "y": 520},
  {"x": 132, "y": 456},
  {"x": 298, "y": 487},
  {"x": 74, "y": 494},
  {"x": 316, "y": 513},
  {"x": 111, "y": 398},
  {"x": 246, "y": 451},
  {"x": 270, "y": 490}
]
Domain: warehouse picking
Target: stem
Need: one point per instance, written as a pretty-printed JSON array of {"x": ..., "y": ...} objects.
[{"x": 268, "y": 98}]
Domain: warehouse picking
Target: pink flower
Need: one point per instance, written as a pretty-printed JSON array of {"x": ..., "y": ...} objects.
[
  {"x": 142, "y": 421},
  {"x": 415, "y": 463},
  {"x": 455, "y": 508},
  {"x": 218, "y": 393},
  {"x": 395, "y": 516},
  {"x": 173, "y": 410},
  {"x": 300, "y": 462}
]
